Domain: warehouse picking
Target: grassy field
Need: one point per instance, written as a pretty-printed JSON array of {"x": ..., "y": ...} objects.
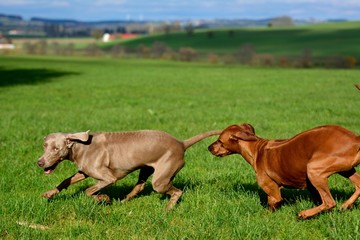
[{"x": 221, "y": 200}]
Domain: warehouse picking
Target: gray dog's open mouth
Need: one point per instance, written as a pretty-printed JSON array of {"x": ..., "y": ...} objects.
[{"x": 50, "y": 169}]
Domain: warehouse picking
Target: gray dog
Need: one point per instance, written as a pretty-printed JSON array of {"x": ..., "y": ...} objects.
[{"x": 109, "y": 156}]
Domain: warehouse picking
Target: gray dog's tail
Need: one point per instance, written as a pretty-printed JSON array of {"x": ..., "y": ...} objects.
[{"x": 191, "y": 141}]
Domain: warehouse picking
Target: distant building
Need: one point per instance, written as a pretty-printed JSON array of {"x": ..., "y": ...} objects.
[
  {"x": 107, "y": 37},
  {"x": 6, "y": 43},
  {"x": 284, "y": 21}
]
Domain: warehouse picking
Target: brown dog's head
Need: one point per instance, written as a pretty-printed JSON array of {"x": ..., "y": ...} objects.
[
  {"x": 228, "y": 141},
  {"x": 56, "y": 148}
]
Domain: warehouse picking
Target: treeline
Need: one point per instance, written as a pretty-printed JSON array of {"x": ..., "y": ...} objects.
[{"x": 245, "y": 55}]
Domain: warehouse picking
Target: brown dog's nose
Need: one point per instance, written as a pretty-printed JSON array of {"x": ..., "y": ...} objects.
[
  {"x": 210, "y": 148},
  {"x": 41, "y": 163}
]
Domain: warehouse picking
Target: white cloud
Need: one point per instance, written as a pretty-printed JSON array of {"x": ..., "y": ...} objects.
[
  {"x": 109, "y": 3},
  {"x": 15, "y": 2},
  {"x": 59, "y": 4}
]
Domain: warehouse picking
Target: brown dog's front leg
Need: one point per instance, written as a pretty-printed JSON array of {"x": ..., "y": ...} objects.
[
  {"x": 65, "y": 184},
  {"x": 272, "y": 190}
]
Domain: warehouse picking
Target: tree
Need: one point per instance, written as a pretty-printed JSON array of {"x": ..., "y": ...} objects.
[
  {"x": 245, "y": 54},
  {"x": 189, "y": 29},
  {"x": 97, "y": 34},
  {"x": 158, "y": 49}
]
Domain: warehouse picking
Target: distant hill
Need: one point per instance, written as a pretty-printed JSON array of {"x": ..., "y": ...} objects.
[
  {"x": 10, "y": 17},
  {"x": 74, "y": 22},
  {"x": 325, "y": 39}
]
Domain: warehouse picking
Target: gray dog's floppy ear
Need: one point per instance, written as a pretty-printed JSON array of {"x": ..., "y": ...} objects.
[{"x": 81, "y": 136}]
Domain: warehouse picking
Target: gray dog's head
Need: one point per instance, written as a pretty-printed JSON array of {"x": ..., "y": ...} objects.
[{"x": 56, "y": 148}]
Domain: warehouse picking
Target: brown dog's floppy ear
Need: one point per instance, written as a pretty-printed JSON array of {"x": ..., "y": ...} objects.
[
  {"x": 81, "y": 136},
  {"x": 249, "y": 128},
  {"x": 247, "y": 133},
  {"x": 246, "y": 136}
]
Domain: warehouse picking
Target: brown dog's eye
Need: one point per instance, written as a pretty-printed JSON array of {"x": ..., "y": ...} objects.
[{"x": 56, "y": 149}]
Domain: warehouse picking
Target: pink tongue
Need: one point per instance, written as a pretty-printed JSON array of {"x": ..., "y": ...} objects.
[{"x": 48, "y": 171}]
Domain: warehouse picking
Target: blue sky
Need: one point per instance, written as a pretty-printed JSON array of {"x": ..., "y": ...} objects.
[{"x": 86, "y": 10}]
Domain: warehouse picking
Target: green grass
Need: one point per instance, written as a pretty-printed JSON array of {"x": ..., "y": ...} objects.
[
  {"x": 221, "y": 200},
  {"x": 326, "y": 39}
]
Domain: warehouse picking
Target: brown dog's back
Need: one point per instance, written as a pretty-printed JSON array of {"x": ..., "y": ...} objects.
[{"x": 297, "y": 152}]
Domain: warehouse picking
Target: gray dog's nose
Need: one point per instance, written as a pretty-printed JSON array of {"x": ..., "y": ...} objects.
[{"x": 41, "y": 163}]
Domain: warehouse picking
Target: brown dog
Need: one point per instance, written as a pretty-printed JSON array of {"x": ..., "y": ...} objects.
[
  {"x": 108, "y": 157},
  {"x": 304, "y": 161}
]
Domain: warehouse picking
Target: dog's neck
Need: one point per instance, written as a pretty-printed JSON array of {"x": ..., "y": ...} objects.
[
  {"x": 77, "y": 149},
  {"x": 250, "y": 149},
  {"x": 75, "y": 152},
  {"x": 71, "y": 153}
]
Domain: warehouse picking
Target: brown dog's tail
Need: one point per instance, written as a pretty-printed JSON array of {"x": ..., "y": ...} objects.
[
  {"x": 357, "y": 86},
  {"x": 191, "y": 141}
]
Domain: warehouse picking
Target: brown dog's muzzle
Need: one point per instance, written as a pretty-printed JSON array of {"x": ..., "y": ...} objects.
[
  {"x": 211, "y": 149},
  {"x": 217, "y": 150}
]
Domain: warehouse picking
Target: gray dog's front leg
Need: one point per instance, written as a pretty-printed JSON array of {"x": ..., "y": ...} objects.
[
  {"x": 97, "y": 187},
  {"x": 65, "y": 184}
]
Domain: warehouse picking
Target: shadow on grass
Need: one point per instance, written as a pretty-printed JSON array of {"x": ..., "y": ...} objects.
[
  {"x": 291, "y": 196},
  {"x": 10, "y": 77},
  {"x": 119, "y": 191}
]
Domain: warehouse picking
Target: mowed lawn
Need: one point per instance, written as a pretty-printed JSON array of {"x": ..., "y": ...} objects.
[{"x": 221, "y": 200}]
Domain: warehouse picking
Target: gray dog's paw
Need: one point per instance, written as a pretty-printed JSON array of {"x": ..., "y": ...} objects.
[
  {"x": 49, "y": 194},
  {"x": 103, "y": 198}
]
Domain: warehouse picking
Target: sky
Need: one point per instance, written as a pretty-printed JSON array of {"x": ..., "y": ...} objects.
[{"x": 98, "y": 10}]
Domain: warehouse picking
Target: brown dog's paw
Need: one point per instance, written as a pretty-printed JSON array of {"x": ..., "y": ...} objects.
[
  {"x": 346, "y": 206},
  {"x": 49, "y": 194},
  {"x": 303, "y": 215},
  {"x": 126, "y": 199}
]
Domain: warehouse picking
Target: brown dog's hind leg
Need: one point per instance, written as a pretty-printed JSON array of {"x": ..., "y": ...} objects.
[
  {"x": 314, "y": 193},
  {"x": 320, "y": 182},
  {"x": 355, "y": 178},
  {"x": 143, "y": 176}
]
